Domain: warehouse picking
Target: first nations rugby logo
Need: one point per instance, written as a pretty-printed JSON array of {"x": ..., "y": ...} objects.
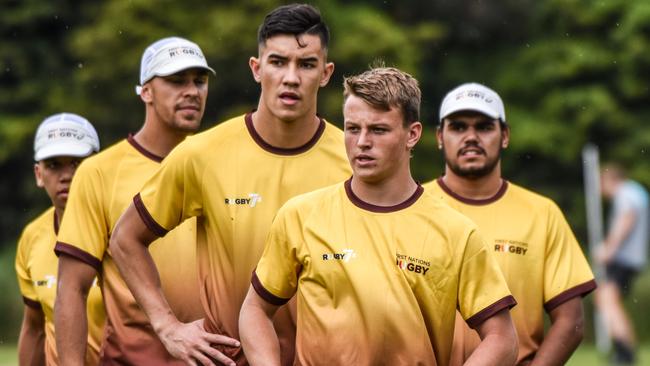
[
  {"x": 412, "y": 264},
  {"x": 252, "y": 200}
]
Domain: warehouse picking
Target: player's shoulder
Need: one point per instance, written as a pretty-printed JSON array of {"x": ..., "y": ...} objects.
[
  {"x": 306, "y": 202},
  {"x": 105, "y": 158},
  {"x": 530, "y": 196},
  {"x": 215, "y": 137},
  {"x": 43, "y": 222},
  {"x": 438, "y": 208}
]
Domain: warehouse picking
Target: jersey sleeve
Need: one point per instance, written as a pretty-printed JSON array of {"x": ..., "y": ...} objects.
[
  {"x": 482, "y": 289},
  {"x": 174, "y": 193},
  {"x": 25, "y": 282},
  {"x": 276, "y": 277},
  {"x": 84, "y": 228},
  {"x": 566, "y": 271}
]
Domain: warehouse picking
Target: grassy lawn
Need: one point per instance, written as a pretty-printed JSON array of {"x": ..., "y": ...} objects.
[{"x": 586, "y": 355}]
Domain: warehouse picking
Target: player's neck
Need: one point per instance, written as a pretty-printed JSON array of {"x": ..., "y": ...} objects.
[
  {"x": 285, "y": 134},
  {"x": 480, "y": 188},
  {"x": 157, "y": 139},
  {"x": 388, "y": 192}
]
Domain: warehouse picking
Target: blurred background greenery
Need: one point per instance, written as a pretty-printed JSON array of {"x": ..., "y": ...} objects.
[{"x": 569, "y": 71}]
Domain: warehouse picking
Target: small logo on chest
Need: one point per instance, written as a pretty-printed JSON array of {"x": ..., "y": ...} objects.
[
  {"x": 345, "y": 256},
  {"x": 49, "y": 281},
  {"x": 510, "y": 246},
  {"x": 252, "y": 200},
  {"x": 412, "y": 264}
]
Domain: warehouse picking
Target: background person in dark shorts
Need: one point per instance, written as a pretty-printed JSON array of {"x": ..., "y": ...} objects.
[{"x": 624, "y": 255}]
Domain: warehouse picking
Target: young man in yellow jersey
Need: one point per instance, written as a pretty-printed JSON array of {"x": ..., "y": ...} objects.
[
  {"x": 233, "y": 178},
  {"x": 173, "y": 87},
  {"x": 527, "y": 233},
  {"x": 377, "y": 265},
  {"x": 62, "y": 141}
]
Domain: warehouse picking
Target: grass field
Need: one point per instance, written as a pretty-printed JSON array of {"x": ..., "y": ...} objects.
[{"x": 586, "y": 355}]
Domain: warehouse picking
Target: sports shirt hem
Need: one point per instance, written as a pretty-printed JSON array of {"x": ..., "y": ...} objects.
[
  {"x": 32, "y": 303},
  {"x": 581, "y": 290},
  {"x": 381, "y": 209},
  {"x": 72, "y": 251},
  {"x": 474, "y": 202},
  {"x": 478, "y": 318},
  {"x": 280, "y": 150},
  {"x": 266, "y": 294},
  {"x": 146, "y": 217}
]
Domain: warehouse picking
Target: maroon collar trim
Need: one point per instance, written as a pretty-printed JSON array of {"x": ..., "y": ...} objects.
[
  {"x": 280, "y": 150},
  {"x": 142, "y": 150},
  {"x": 475, "y": 202},
  {"x": 381, "y": 209},
  {"x": 56, "y": 224}
]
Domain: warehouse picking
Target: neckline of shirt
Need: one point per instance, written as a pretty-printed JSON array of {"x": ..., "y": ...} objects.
[
  {"x": 281, "y": 150},
  {"x": 141, "y": 149},
  {"x": 381, "y": 209},
  {"x": 471, "y": 201},
  {"x": 56, "y": 223}
]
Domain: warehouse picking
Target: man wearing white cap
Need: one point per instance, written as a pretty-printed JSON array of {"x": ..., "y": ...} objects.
[
  {"x": 530, "y": 238},
  {"x": 173, "y": 87},
  {"x": 62, "y": 141}
]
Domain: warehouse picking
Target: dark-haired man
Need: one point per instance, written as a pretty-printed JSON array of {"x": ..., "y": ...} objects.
[
  {"x": 529, "y": 236},
  {"x": 233, "y": 178}
]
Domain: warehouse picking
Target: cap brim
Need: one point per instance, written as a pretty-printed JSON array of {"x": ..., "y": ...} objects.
[
  {"x": 476, "y": 107},
  {"x": 68, "y": 148},
  {"x": 182, "y": 65}
]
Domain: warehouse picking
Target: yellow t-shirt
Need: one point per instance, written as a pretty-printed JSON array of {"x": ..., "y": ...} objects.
[
  {"x": 234, "y": 183},
  {"x": 101, "y": 190},
  {"x": 378, "y": 285},
  {"x": 536, "y": 250},
  {"x": 36, "y": 268}
]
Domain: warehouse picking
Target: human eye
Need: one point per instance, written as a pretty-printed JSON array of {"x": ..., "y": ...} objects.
[
  {"x": 351, "y": 128},
  {"x": 457, "y": 127},
  {"x": 379, "y": 130},
  {"x": 308, "y": 65},
  {"x": 485, "y": 126},
  {"x": 276, "y": 62}
]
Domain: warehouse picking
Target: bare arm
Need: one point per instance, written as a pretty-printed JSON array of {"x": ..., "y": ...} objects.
[
  {"x": 70, "y": 319},
  {"x": 31, "y": 343},
  {"x": 499, "y": 345},
  {"x": 564, "y": 335},
  {"x": 188, "y": 342},
  {"x": 621, "y": 228},
  {"x": 259, "y": 340}
]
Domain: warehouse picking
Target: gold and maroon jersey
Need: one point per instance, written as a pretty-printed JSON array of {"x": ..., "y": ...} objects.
[
  {"x": 36, "y": 268},
  {"x": 378, "y": 285},
  {"x": 234, "y": 183},
  {"x": 101, "y": 190},
  {"x": 536, "y": 251}
]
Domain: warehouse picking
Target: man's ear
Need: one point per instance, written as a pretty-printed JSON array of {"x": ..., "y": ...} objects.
[
  {"x": 414, "y": 134},
  {"x": 505, "y": 136},
  {"x": 146, "y": 94},
  {"x": 254, "y": 64},
  {"x": 38, "y": 175},
  {"x": 327, "y": 74}
]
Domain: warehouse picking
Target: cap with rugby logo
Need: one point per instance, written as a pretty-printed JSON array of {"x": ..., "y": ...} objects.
[
  {"x": 169, "y": 56},
  {"x": 65, "y": 134},
  {"x": 473, "y": 97}
]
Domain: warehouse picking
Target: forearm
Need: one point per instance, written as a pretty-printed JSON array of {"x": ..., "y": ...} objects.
[
  {"x": 71, "y": 325},
  {"x": 493, "y": 351},
  {"x": 620, "y": 230},
  {"x": 141, "y": 276},
  {"x": 31, "y": 346},
  {"x": 258, "y": 337}
]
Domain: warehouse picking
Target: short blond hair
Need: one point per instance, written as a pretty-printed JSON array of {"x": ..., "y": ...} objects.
[{"x": 385, "y": 88}]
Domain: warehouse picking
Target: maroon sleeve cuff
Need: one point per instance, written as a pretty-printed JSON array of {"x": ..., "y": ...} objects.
[
  {"x": 67, "y": 249},
  {"x": 146, "y": 217},
  {"x": 478, "y": 318},
  {"x": 581, "y": 290},
  {"x": 265, "y": 294},
  {"x": 32, "y": 303}
]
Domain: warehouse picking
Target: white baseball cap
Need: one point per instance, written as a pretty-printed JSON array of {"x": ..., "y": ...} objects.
[
  {"x": 473, "y": 97},
  {"x": 169, "y": 56},
  {"x": 65, "y": 134}
]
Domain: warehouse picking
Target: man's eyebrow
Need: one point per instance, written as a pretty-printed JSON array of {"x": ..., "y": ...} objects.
[
  {"x": 278, "y": 57},
  {"x": 309, "y": 59}
]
